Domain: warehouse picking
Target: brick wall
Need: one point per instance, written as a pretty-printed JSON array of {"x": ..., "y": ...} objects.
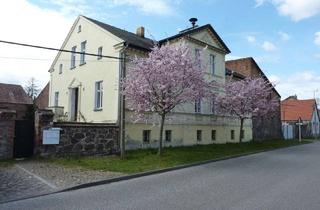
[
  {"x": 21, "y": 109},
  {"x": 77, "y": 138},
  {"x": 7, "y": 125},
  {"x": 42, "y": 101}
]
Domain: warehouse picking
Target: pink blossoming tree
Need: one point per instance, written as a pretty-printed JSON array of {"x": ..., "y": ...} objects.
[
  {"x": 251, "y": 97},
  {"x": 167, "y": 78}
]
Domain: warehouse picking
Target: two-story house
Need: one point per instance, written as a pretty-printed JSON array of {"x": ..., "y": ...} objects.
[{"x": 87, "y": 88}]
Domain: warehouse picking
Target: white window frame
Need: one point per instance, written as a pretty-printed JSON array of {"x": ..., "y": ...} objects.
[
  {"x": 56, "y": 98},
  {"x": 73, "y": 57},
  {"x": 60, "y": 68},
  {"x": 212, "y": 64},
  {"x": 83, "y": 51},
  {"x": 98, "y": 99},
  {"x": 197, "y": 106},
  {"x": 99, "y": 52}
]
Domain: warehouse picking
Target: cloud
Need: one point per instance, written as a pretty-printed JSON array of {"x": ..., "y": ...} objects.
[
  {"x": 295, "y": 9},
  {"x": 303, "y": 84},
  {"x": 251, "y": 39},
  {"x": 33, "y": 25},
  {"x": 317, "y": 38},
  {"x": 317, "y": 56},
  {"x": 149, "y": 7},
  {"x": 284, "y": 36},
  {"x": 269, "y": 46}
]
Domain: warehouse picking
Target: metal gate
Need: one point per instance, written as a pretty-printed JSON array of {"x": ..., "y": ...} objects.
[{"x": 23, "y": 140}]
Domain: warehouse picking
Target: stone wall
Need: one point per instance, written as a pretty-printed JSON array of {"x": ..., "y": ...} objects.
[
  {"x": 7, "y": 126},
  {"x": 77, "y": 138}
]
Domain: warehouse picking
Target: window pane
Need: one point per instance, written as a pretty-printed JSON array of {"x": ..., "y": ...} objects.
[
  {"x": 146, "y": 136},
  {"x": 56, "y": 98},
  {"x": 168, "y": 135},
  {"x": 73, "y": 57},
  {"x": 99, "y": 52},
  {"x": 83, "y": 50},
  {"x": 212, "y": 64},
  {"x": 213, "y": 135},
  {"x": 199, "y": 135}
]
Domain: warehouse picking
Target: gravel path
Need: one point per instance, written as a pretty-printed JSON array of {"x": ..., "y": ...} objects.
[{"x": 31, "y": 178}]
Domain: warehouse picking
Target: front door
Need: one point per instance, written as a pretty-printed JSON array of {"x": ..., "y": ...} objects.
[{"x": 74, "y": 103}]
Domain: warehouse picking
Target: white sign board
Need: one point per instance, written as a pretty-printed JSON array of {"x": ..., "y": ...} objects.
[{"x": 51, "y": 136}]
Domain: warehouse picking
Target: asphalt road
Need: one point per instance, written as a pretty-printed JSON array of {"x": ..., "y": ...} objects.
[{"x": 280, "y": 179}]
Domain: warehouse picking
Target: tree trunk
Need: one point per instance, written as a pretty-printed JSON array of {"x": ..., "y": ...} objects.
[
  {"x": 163, "y": 116},
  {"x": 241, "y": 128}
]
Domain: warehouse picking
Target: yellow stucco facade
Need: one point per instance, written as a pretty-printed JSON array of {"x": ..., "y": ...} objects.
[{"x": 185, "y": 125}]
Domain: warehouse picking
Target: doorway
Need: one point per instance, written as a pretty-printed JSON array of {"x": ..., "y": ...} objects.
[{"x": 74, "y": 104}]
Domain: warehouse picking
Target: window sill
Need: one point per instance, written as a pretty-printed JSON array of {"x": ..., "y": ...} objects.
[
  {"x": 98, "y": 109},
  {"x": 73, "y": 67},
  {"x": 81, "y": 64}
]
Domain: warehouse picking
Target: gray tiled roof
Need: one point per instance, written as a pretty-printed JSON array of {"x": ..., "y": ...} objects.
[{"x": 131, "y": 39}]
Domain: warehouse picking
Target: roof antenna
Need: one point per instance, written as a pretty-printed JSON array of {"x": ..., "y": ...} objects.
[{"x": 193, "y": 21}]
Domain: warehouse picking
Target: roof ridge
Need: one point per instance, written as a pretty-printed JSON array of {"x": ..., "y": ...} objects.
[{"x": 94, "y": 20}]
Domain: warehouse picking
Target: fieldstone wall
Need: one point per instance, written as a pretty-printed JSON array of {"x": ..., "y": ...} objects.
[
  {"x": 7, "y": 126},
  {"x": 77, "y": 138}
]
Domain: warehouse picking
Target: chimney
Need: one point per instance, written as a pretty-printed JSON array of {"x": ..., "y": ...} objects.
[{"x": 140, "y": 31}]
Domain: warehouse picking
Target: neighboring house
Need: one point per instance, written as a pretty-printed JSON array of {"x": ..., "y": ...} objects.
[
  {"x": 86, "y": 88},
  {"x": 263, "y": 127},
  {"x": 42, "y": 100},
  {"x": 293, "y": 109},
  {"x": 14, "y": 98}
]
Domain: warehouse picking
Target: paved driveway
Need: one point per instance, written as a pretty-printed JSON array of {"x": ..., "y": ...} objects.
[
  {"x": 281, "y": 179},
  {"x": 17, "y": 183},
  {"x": 31, "y": 178}
]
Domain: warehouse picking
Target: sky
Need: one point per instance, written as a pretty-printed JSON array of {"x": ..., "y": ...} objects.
[{"x": 283, "y": 36}]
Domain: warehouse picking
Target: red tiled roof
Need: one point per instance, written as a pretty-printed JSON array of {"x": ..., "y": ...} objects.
[
  {"x": 10, "y": 93},
  {"x": 292, "y": 109}
]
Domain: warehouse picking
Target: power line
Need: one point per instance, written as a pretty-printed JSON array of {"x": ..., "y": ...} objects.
[
  {"x": 47, "y": 59},
  {"x": 56, "y": 49}
]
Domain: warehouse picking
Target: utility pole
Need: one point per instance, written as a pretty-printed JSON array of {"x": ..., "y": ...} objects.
[{"x": 299, "y": 124}]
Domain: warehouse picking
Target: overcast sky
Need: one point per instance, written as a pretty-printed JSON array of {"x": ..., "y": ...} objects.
[{"x": 282, "y": 35}]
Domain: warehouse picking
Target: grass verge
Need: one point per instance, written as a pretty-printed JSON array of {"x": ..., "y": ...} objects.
[{"x": 147, "y": 159}]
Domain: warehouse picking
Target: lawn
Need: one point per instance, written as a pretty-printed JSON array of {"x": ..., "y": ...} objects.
[{"x": 146, "y": 160}]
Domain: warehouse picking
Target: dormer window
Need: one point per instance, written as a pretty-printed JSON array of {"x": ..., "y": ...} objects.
[{"x": 79, "y": 28}]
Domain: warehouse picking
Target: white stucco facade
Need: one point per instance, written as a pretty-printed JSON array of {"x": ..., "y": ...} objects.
[{"x": 184, "y": 123}]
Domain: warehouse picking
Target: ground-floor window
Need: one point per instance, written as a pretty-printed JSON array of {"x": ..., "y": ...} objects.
[
  {"x": 146, "y": 136},
  {"x": 199, "y": 135},
  {"x": 242, "y": 134},
  {"x": 168, "y": 135},
  {"x": 232, "y": 134},
  {"x": 213, "y": 135}
]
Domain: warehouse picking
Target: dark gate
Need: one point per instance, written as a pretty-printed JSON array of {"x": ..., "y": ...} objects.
[{"x": 23, "y": 141}]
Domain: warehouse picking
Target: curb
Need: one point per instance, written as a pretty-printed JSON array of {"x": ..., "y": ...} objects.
[{"x": 142, "y": 174}]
